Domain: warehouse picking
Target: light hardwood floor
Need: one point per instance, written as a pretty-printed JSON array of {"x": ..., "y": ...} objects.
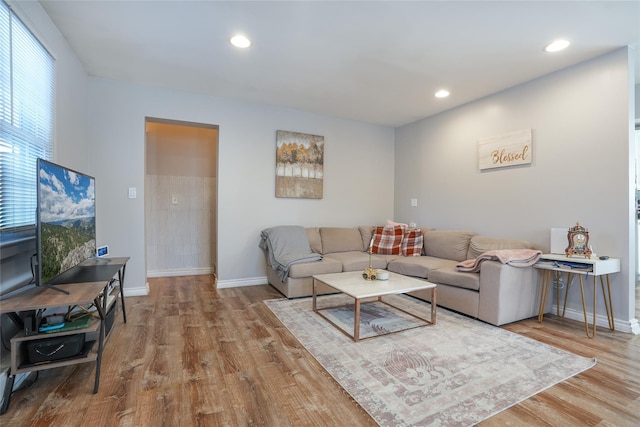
[{"x": 191, "y": 355}]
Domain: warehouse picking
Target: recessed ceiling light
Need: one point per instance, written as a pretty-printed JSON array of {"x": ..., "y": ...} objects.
[
  {"x": 240, "y": 41},
  {"x": 557, "y": 45},
  {"x": 442, "y": 93}
]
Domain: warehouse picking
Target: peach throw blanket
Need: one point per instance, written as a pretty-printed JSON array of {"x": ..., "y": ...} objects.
[{"x": 513, "y": 257}]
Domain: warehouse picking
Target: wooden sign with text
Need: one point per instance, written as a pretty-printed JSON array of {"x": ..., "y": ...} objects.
[{"x": 508, "y": 149}]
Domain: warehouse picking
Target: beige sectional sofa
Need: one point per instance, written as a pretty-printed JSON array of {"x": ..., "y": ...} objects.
[{"x": 498, "y": 294}]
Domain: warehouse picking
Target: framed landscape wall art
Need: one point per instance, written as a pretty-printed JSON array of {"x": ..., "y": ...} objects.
[{"x": 299, "y": 165}]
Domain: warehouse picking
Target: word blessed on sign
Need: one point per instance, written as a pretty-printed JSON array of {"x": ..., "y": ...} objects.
[{"x": 508, "y": 149}]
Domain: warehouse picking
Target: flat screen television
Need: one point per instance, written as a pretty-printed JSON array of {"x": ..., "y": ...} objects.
[{"x": 65, "y": 219}]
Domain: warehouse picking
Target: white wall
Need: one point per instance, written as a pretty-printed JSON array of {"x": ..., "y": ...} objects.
[
  {"x": 582, "y": 166},
  {"x": 358, "y": 181}
]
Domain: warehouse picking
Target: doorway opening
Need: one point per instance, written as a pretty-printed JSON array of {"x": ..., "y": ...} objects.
[{"x": 181, "y": 198}]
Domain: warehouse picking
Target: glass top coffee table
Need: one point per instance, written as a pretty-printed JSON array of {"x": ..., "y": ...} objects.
[{"x": 353, "y": 284}]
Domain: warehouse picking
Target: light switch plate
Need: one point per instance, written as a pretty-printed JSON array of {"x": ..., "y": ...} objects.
[{"x": 132, "y": 192}]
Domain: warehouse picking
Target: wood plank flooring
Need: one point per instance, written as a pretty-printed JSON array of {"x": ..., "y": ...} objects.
[{"x": 191, "y": 355}]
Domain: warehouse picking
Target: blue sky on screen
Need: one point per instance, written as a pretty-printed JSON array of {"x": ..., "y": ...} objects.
[{"x": 65, "y": 194}]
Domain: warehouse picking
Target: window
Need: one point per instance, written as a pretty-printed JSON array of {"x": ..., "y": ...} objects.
[{"x": 26, "y": 118}]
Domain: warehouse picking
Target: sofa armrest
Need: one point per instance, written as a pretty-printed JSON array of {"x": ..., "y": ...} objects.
[{"x": 507, "y": 294}]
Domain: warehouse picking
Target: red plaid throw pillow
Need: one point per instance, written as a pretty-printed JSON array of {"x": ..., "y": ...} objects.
[
  {"x": 412, "y": 242},
  {"x": 387, "y": 240}
]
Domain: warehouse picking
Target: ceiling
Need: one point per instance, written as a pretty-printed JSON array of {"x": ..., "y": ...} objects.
[{"x": 379, "y": 62}]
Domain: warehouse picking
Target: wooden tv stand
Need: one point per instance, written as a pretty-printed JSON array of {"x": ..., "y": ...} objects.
[{"x": 90, "y": 283}]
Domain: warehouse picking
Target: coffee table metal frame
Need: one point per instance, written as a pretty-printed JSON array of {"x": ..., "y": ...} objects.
[{"x": 353, "y": 284}]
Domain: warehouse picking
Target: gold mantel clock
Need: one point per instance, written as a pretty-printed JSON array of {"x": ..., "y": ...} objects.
[{"x": 578, "y": 237}]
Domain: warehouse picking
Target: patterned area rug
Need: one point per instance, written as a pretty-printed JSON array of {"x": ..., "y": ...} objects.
[
  {"x": 455, "y": 373},
  {"x": 376, "y": 318}
]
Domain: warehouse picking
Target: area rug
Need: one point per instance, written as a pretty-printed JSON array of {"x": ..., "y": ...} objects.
[
  {"x": 455, "y": 373},
  {"x": 376, "y": 318}
]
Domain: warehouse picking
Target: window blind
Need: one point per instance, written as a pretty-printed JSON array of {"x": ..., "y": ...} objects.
[{"x": 27, "y": 76}]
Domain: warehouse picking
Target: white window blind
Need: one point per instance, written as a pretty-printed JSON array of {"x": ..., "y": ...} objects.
[{"x": 26, "y": 118}]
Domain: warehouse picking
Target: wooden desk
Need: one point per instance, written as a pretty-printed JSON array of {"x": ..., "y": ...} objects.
[
  {"x": 100, "y": 275},
  {"x": 594, "y": 267}
]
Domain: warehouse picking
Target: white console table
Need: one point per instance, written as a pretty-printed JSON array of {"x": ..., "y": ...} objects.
[{"x": 595, "y": 267}]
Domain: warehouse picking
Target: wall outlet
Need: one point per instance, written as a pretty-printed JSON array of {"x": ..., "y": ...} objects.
[
  {"x": 174, "y": 200},
  {"x": 414, "y": 203}
]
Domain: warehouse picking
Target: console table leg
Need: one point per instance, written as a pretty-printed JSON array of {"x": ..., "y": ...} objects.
[
  {"x": 566, "y": 292},
  {"x": 608, "y": 304},
  {"x": 101, "y": 334},
  {"x": 584, "y": 311},
  {"x": 8, "y": 389},
  {"x": 595, "y": 300},
  {"x": 121, "y": 279},
  {"x": 546, "y": 277}
]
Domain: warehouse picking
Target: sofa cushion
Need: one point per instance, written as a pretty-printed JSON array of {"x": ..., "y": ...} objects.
[
  {"x": 449, "y": 275},
  {"x": 340, "y": 239},
  {"x": 418, "y": 266},
  {"x": 412, "y": 242},
  {"x": 424, "y": 230},
  {"x": 387, "y": 240},
  {"x": 481, "y": 244},
  {"x": 448, "y": 244},
  {"x": 366, "y": 232},
  {"x": 313, "y": 233},
  {"x": 387, "y": 258},
  {"x": 306, "y": 269},
  {"x": 353, "y": 261}
]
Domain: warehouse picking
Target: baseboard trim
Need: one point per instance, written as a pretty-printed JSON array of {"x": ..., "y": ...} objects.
[
  {"x": 626, "y": 326},
  {"x": 139, "y": 291},
  {"x": 236, "y": 283},
  {"x": 220, "y": 284}
]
